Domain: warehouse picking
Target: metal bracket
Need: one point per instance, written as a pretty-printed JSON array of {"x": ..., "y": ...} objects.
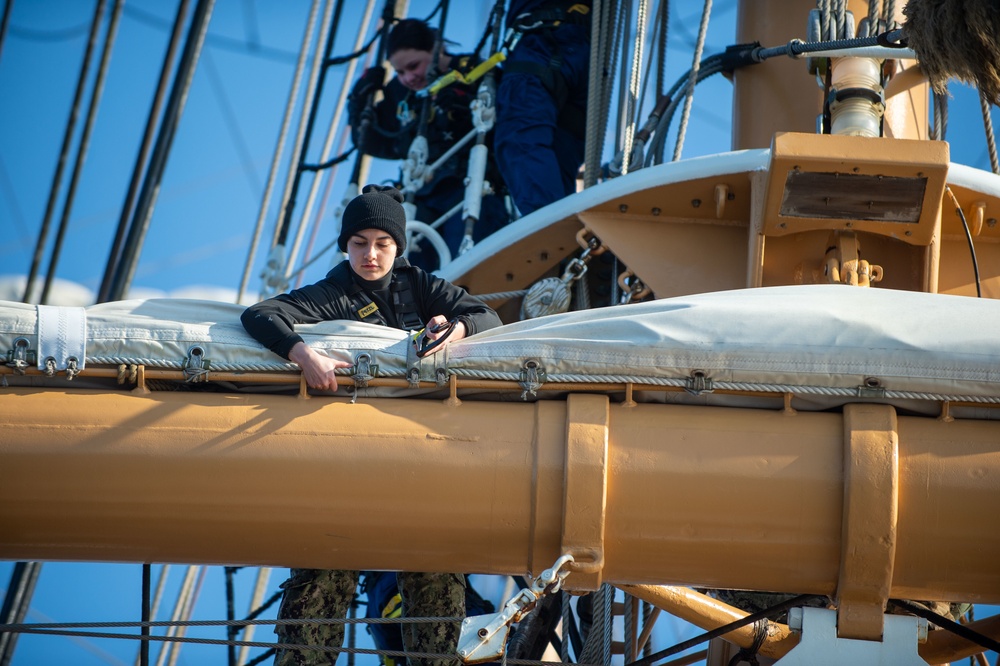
[
  {"x": 532, "y": 377},
  {"x": 484, "y": 637},
  {"x": 585, "y": 489},
  {"x": 20, "y": 357},
  {"x": 698, "y": 383},
  {"x": 871, "y": 490},
  {"x": 820, "y": 645},
  {"x": 364, "y": 370},
  {"x": 872, "y": 388},
  {"x": 196, "y": 365}
]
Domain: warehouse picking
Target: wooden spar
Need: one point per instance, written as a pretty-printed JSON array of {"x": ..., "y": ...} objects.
[{"x": 712, "y": 496}]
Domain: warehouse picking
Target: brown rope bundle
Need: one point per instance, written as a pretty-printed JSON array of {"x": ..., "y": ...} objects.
[{"x": 957, "y": 38}]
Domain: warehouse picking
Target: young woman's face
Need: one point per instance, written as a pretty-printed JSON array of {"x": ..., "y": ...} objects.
[
  {"x": 371, "y": 253},
  {"x": 411, "y": 67}
]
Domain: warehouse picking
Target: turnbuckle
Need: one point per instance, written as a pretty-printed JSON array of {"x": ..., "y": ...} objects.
[{"x": 484, "y": 637}]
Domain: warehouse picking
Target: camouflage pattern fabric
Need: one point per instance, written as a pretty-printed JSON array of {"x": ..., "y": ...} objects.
[
  {"x": 432, "y": 595},
  {"x": 322, "y": 593},
  {"x": 314, "y": 593}
]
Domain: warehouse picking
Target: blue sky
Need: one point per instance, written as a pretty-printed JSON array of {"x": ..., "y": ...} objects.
[
  {"x": 211, "y": 194},
  {"x": 212, "y": 189}
]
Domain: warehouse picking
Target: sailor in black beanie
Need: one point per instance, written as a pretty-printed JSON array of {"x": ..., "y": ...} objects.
[
  {"x": 377, "y": 207},
  {"x": 375, "y": 284}
]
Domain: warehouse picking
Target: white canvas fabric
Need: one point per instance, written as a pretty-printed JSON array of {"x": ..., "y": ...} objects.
[{"x": 827, "y": 338}]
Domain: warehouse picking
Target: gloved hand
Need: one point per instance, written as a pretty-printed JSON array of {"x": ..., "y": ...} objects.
[{"x": 370, "y": 81}]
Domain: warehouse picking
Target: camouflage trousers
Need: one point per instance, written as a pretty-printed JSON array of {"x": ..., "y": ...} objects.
[{"x": 324, "y": 593}]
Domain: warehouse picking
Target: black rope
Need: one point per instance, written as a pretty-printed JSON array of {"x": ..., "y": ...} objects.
[
  {"x": 329, "y": 163},
  {"x": 796, "y": 47},
  {"x": 945, "y": 623},
  {"x": 725, "y": 629},
  {"x": 492, "y": 26},
  {"x": 436, "y": 9},
  {"x": 749, "y": 654},
  {"x": 231, "y": 630},
  {"x": 114, "y": 255},
  {"x": 968, "y": 237},
  {"x": 147, "y": 579},
  {"x": 285, "y": 224},
  {"x": 64, "y": 151},
  {"x": 340, "y": 60},
  {"x": 264, "y": 606}
]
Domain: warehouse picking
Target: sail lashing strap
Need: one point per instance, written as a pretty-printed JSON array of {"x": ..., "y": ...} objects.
[{"x": 62, "y": 339}]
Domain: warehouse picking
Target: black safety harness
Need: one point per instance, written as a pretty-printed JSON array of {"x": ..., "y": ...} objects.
[
  {"x": 544, "y": 21},
  {"x": 356, "y": 300}
]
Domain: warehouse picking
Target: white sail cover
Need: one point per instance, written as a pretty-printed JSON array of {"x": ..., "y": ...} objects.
[{"x": 816, "y": 341}]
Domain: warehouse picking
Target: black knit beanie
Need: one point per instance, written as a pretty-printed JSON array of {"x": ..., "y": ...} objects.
[{"x": 377, "y": 207}]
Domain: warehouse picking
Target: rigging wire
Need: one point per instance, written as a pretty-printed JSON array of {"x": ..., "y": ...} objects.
[
  {"x": 257, "y": 606},
  {"x": 5, "y": 22},
  {"x": 278, "y": 150},
  {"x": 991, "y": 143},
  {"x": 157, "y": 164},
  {"x": 232, "y": 122},
  {"x": 317, "y": 74},
  {"x": 334, "y": 126},
  {"x": 250, "y": 25},
  {"x": 635, "y": 104},
  {"x": 968, "y": 237},
  {"x": 689, "y": 97},
  {"x": 940, "y": 126},
  {"x": 622, "y": 41},
  {"x": 217, "y": 41},
  {"x": 64, "y": 151},
  {"x": 114, "y": 255},
  {"x": 81, "y": 154},
  {"x": 592, "y": 156},
  {"x": 663, "y": 18},
  {"x": 62, "y": 35}
]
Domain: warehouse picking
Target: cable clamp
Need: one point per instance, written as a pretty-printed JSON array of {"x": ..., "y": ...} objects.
[{"x": 484, "y": 637}]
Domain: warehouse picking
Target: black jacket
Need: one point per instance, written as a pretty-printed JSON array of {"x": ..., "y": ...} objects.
[
  {"x": 449, "y": 119},
  {"x": 272, "y": 322}
]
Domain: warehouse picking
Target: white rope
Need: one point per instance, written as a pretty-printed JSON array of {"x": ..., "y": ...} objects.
[
  {"x": 633, "y": 86},
  {"x": 331, "y": 135},
  {"x": 297, "y": 148},
  {"x": 693, "y": 79},
  {"x": 580, "y": 378},
  {"x": 278, "y": 150}
]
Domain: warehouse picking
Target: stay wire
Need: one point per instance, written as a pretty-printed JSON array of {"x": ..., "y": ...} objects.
[
  {"x": 949, "y": 625},
  {"x": 64, "y": 151},
  {"x": 96, "y": 93},
  {"x": 968, "y": 237},
  {"x": 991, "y": 142},
  {"x": 114, "y": 255},
  {"x": 777, "y": 609}
]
